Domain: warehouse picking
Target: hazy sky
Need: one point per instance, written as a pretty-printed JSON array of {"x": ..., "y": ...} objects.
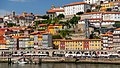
[{"x": 35, "y": 6}]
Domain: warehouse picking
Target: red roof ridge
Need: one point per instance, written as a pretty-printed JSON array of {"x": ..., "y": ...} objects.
[{"x": 75, "y": 3}]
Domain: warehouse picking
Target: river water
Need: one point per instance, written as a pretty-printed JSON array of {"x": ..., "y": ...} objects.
[{"x": 59, "y": 65}]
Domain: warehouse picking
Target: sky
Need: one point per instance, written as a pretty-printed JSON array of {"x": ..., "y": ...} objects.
[{"x": 34, "y": 6}]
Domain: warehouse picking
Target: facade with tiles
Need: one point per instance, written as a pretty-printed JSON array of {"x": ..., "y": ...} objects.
[
  {"x": 53, "y": 29},
  {"x": 84, "y": 44},
  {"x": 75, "y": 7},
  {"x": 107, "y": 40},
  {"x": 105, "y": 18},
  {"x": 114, "y": 6},
  {"x": 111, "y": 40},
  {"x": 116, "y": 38}
]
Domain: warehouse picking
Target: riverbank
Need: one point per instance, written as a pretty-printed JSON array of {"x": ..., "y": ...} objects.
[
  {"x": 87, "y": 60},
  {"x": 74, "y": 60}
]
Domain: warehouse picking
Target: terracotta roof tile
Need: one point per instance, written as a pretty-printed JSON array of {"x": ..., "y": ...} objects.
[
  {"x": 76, "y": 40},
  {"x": 55, "y": 25},
  {"x": 55, "y": 10},
  {"x": 108, "y": 32},
  {"x": 2, "y": 41},
  {"x": 93, "y": 13},
  {"x": 42, "y": 25},
  {"x": 15, "y": 28},
  {"x": 117, "y": 29},
  {"x": 95, "y": 19},
  {"x": 75, "y": 3},
  {"x": 108, "y": 21},
  {"x": 2, "y": 32},
  {"x": 111, "y": 13},
  {"x": 2, "y": 37}
]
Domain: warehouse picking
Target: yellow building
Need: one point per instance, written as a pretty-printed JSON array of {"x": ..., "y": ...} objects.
[
  {"x": 83, "y": 44},
  {"x": 53, "y": 29},
  {"x": 73, "y": 44},
  {"x": 95, "y": 44},
  {"x": 68, "y": 44},
  {"x": 56, "y": 43},
  {"x": 104, "y": 6}
]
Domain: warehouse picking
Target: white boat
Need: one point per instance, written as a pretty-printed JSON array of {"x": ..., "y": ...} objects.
[{"x": 21, "y": 62}]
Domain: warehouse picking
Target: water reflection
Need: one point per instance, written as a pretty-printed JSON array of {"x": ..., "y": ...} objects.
[{"x": 59, "y": 65}]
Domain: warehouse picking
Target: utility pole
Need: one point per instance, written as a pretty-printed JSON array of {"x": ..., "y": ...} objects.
[{"x": 87, "y": 28}]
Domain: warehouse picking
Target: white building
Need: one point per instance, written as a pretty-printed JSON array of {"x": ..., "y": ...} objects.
[
  {"x": 73, "y": 8},
  {"x": 105, "y": 18},
  {"x": 116, "y": 38},
  {"x": 107, "y": 40},
  {"x": 90, "y": 1},
  {"x": 111, "y": 40},
  {"x": 96, "y": 1}
]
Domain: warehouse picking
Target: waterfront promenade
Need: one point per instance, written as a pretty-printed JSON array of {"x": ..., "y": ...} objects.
[
  {"x": 46, "y": 56},
  {"x": 68, "y": 60}
]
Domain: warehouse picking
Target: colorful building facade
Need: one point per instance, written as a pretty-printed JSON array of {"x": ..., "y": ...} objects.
[
  {"x": 53, "y": 29},
  {"x": 84, "y": 44}
]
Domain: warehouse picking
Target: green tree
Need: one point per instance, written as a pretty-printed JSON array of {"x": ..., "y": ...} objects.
[
  {"x": 60, "y": 16},
  {"x": 45, "y": 17},
  {"x": 117, "y": 24},
  {"x": 64, "y": 33},
  {"x": 11, "y": 24},
  {"x": 56, "y": 37},
  {"x": 79, "y": 13},
  {"x": 49, "y": 21},
  {"x": 55, "y": 21},
  {"x": 37, "y": 23},
  {"x": 74, "y": 20},
  {"x": 98, "y": 7},
  {"x": 88, "y": 10}
]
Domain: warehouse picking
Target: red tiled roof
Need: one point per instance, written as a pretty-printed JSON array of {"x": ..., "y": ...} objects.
[
  {"x": 95, "y": 19},
  {"x": 15, "y": 28},
  {"x": 76, "y": 40},
  {"x": 111, "y": 13},
  {"x": 102, "y": 12},
  {"x": 108, "y": 21},
  {"x": 108, "y": 32},
  {"x": 55, "y": 25},
  {"x": 75, "y": 3},
  {"x": 2, "y": 32},
  {"x": 42, "y": 25},
  {"x": 29, "y": 29},
  {"x": 104, "y": 34},
  {"x": 15, "y": 36},
  {"x": 117, "y": 29},
  {"x": 2, "y": 37},
  {"x": 38, "y": 33},
  {"x": 55, "y": 10},
  {"x": 2, "y": 41},
  {"x": 3, "y": 29},
  {"x": 19, "y": 36},
  {"x": 33, "y": 33},
  {"x": 92, "y": 13}
]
